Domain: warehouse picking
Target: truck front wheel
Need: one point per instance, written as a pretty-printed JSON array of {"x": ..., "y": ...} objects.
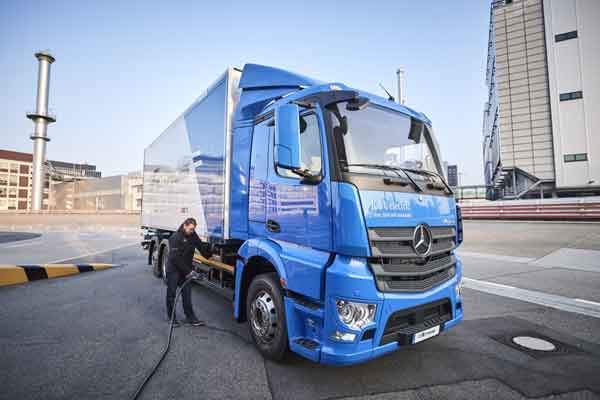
[{"x": 266, "y": 316}]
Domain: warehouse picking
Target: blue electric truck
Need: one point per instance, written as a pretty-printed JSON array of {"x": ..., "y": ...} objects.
[{"x": 323, "y": 211}]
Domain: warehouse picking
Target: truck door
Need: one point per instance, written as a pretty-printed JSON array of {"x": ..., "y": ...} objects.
[
  {"x": 259, "y": 166},
  {"x": 298, "y": 211}
]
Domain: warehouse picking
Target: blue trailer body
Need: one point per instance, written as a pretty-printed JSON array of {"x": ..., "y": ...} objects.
[{"x": 378, "y": 240}]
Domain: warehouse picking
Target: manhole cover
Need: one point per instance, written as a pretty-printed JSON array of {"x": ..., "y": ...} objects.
[{"x": 533, "y": 343}]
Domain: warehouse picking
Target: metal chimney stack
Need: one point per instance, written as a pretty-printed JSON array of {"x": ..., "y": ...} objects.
[
  {"x": 401, "y": 87},
  {"x": 41, "y": 119}
]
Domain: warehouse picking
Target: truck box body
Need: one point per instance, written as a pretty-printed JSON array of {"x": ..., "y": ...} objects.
[
  {"x": 186, "y": 169},
  {"x": 319, "y": 205}
]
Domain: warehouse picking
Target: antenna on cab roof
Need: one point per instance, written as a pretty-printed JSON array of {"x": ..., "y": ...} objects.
[{"x": 390, "y": 97}]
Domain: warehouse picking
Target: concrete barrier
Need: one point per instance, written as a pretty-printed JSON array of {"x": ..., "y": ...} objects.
[{"x": 15, "y": 274}]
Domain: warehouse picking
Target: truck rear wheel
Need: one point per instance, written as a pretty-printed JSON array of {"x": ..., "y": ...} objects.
[
  {"x": 154, "y": 256},
  {"x": 164, "y": 257},
  {"x": 266, "y": 316}
]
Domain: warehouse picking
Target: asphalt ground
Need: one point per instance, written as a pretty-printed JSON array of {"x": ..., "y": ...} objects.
[
  {"x": 7, "y": 237},
  {"x": 55, "y": 246},
  {"x": 96, "y": 336}
]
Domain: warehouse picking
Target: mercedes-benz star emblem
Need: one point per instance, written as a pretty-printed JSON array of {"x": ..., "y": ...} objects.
[{"x": 422, "y": 240}]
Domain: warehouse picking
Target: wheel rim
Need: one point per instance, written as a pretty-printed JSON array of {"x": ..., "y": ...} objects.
[{"x": 263, "y": 316}]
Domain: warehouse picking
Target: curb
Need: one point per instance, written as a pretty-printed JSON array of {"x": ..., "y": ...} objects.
[{"x": 15, "y": 274}]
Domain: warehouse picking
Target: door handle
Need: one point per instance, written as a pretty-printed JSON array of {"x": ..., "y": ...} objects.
[{"x": 273, "y": 226}]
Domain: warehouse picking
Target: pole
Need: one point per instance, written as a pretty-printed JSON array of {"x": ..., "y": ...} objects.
[
  {"x": 41, "y": 119},
  {"x": 401, "y": 86}
]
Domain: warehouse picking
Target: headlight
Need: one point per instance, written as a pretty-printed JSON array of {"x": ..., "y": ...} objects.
[{"x": 355, "y": 315}]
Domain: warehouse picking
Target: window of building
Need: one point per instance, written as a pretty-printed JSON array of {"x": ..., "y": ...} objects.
[
  {"x": 310, "y": 148},
  {"x": 12, "y": 204},
  {"x": 3, "y": 191},
  {"x": 3, "y": 166},
  {"x": 571, "y": 95},
  {"x": 565, "y": 36},
  {"x": 13, "y": 180},
  {"x": 24, "y": 169},
  {"x": 3, "y": 179},
  {"x": 12, "y": 192},
  {"x": 14, "y": 168},
  {"x": 575, "y": 157}
]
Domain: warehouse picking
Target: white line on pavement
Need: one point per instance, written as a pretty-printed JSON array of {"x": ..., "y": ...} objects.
[
  {"x": 22, "y": 243},
  {"x": 578, "y": 306},
  {"x": 588, "y": 302},
  {"x": 93, "y": 253}
]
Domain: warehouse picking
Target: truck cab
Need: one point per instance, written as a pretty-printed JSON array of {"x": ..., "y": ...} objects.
[{"x": 341, "y": 228}]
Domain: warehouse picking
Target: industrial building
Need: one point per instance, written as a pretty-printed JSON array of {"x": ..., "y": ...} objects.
[
  {"x": 16, "y": 178},
  {"x": 542, "y": 117},
  {"x": 111, "y": 193}
]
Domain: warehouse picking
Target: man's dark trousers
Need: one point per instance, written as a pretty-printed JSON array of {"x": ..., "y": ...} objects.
[{"x": 174, "y": 279}]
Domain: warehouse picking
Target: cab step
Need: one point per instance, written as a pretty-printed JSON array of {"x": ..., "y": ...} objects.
[{"x": 306, "y": 347}]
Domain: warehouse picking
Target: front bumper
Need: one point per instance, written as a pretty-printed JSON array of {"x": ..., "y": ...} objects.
[{"x": 350, "y": 279}]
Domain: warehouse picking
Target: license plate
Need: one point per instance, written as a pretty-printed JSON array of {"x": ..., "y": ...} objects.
[{"x": 426, "y": 334}]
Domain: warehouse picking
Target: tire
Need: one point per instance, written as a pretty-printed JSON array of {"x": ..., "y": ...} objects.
[
  {"x": 266, "y": 316},
  {"x": 164, "y": 257},
  {"x": 154, "y": 256}
]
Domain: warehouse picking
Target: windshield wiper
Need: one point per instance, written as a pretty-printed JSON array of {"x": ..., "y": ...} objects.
[
  {"x": 387, "y": 180},
  {"x": 431, "y": 185}
]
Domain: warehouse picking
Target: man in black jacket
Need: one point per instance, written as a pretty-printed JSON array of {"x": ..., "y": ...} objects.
[{"x": 182, "y": 245}]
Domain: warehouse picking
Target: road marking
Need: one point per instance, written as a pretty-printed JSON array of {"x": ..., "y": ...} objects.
[
  {"x": 579, "y": 306},
  {"x": 91, "y": 254},
  {"x": 520, "y": 260},
  {"x": 21, "y": 243},
  {"x": 588, "y": 302}
]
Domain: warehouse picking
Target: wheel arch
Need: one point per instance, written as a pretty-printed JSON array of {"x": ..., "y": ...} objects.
[{"x": 256, "y": 257}]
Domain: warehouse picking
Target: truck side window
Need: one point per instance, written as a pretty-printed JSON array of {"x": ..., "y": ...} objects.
[{"x": 310, "y": 147}]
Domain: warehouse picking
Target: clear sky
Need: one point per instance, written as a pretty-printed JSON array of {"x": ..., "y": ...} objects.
[{"x": 125, "y": 69}]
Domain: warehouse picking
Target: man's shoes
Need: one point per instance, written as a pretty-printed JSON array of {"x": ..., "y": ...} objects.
[{"x": 193, "y": 322}]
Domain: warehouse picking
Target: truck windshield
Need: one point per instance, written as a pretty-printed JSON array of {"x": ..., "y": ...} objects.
[{"x": 376, "y": 136}]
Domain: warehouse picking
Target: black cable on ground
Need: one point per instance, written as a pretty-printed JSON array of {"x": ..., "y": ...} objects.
[{"x": 140, "y": 389}]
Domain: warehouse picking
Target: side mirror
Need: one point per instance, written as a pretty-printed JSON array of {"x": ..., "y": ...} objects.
[{"x": 287, "y": 136}]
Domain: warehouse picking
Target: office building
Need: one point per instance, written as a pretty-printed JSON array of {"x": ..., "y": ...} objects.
[
  {"x": 452, "y": 175},
  {"x": 15, "y": 178},
  {"x": 542, "y": 116}
]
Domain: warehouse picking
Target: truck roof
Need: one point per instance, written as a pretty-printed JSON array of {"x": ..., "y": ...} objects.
[{"x": 257, "y": 77}]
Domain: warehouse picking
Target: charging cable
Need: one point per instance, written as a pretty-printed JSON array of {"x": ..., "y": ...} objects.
[{"x": 194, "y": 277}]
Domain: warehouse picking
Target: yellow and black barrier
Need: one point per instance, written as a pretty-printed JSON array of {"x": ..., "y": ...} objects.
[{"x": 14, "y": 274}]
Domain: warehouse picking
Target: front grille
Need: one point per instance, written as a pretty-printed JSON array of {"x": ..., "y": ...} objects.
[
  {"x": 398, "y": 268},
  {"x": 402, "y": 324},
  {"x": 416, "y": 283}
]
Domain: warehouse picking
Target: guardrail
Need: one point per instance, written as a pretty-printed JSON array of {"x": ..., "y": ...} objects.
[
  {"x": 551, "y": 209},
  {"x": 70, "y": 212}
]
